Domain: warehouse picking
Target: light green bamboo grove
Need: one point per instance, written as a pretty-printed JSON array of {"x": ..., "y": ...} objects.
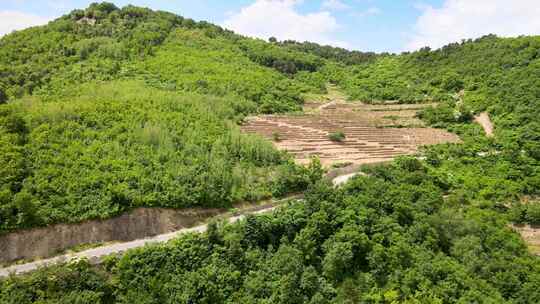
[{"x": 102, "y": 149}]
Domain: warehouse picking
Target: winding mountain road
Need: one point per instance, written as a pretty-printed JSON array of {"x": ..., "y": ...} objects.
[{"x": 95, "y": 255}]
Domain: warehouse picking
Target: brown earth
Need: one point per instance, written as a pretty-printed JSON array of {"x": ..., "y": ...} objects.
[
  {"x": 531, "y": 236},
  {"x": 140, "y": 223},
  {"x": 484, "y": 120},
  {"x": 96, "y": 255},
  {"x": 374, "y": 133},
  {"x": 530, "y": 233}
]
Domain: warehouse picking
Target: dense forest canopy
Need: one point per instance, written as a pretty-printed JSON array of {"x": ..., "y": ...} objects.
[
  {"x": 386, "y": 238},
  {"x": 329, "y": 52},
  {"x": 111, "y": 108}
]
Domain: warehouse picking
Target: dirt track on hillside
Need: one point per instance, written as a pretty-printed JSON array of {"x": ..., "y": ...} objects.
[{"x": 531, "y": 236}]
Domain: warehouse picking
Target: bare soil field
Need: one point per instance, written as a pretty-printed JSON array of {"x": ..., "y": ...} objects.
[
  {"x": 373, "y": 133},
  {"x": 531, "y": 236},
  {"x": 484, "y": 120}
]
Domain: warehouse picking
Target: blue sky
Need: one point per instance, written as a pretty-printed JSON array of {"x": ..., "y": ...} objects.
[{"x": 369, "y": 25}]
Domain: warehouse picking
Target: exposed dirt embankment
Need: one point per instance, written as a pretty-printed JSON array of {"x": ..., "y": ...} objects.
[
  {"x": 484, "y": 120},
  {"x": 531, "y": 236},
  {"x": 140, "y": 223}
]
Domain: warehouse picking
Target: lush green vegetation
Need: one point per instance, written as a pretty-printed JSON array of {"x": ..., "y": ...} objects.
[
  {"x": 105, "y": 148},
  {"x": 386, "y": 238},
  {"x": 528, "y": 213},
  {"x": 156, "y": 126},
  {"x": 497, "y": 75},
  {"x": 111, "y": 109},
  {"x": 329, "y": 52},
  {"x": 168, "y": 51},
  {"x": 337, "y": 136},
  {"x": 190, "y": 61}
]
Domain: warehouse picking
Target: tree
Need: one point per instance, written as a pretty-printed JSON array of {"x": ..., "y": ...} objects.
[
  {"x": 3, "y": 96},
  {"x": 272, "y": 40},
  {"x": 452, "y": 81}
]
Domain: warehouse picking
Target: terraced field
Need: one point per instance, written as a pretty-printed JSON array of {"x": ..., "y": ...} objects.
[{"x": 373, "y": 133}]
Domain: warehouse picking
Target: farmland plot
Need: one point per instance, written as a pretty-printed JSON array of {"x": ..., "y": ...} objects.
[{"x": 372, "y": 133}]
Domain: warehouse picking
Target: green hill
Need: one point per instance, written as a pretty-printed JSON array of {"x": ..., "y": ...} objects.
[
  {"x": 110, "y": 109},
  {"x": 167, "y": 51}
]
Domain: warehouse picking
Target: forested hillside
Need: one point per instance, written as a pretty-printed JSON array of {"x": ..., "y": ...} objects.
[
  {"x": 387, "y": 238},
  {"x": 497, "y": 75},
  {"x": 106, "y": 43},
  {"x": 110, "y": 109}
]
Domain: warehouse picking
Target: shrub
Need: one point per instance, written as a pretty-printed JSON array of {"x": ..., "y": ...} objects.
[
  {"x": 337, "y": 136},
  {"x": 452, "y": 82},
  {"x": 3, "y": 96},
  {"x": 533, "y": 213}
]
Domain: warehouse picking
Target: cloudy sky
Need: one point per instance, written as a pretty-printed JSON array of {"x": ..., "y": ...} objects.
[{"x": 374, "y": 25}]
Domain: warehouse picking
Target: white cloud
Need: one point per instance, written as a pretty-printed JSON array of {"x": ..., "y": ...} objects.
[
  {"x": 14, "y": 20},
  {"x": 464, "y": 19},
  {"x": 280, "y": 19},
  {"x": 372, "y": 11},
  {"x": 334, "y": 5}
]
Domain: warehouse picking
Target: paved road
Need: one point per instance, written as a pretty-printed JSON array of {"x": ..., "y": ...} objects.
[{"x": 95, "y": 255}]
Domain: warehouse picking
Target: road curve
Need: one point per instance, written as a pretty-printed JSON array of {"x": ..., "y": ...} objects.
[{"x": 96, "y": 254}]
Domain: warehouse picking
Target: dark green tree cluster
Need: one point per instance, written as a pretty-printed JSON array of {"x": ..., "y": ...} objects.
[
  {"x": 282, "y": 59},
  {"x": 526, "y": 213},
  {"x": 332, "y": 53},
  {"x": 387, "y": 238}
]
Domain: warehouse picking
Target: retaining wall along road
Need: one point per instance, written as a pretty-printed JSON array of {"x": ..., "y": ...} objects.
[{"x": 140, "y": 223}]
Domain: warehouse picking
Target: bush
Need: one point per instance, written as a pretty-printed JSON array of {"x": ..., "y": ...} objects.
[
  {"x": 452, "y": 82},
  {"x": 106, "y": 148},
  {"x": 379, "y": 239},
  {"x": 533, "y": 213},
  {"x": 337, "y": 136},
  {"x": 3, "y": 96}
]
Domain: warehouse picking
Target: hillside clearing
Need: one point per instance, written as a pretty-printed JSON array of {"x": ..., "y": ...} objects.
[
  {"x": 484, "y": 120},
  {"x": 373, "y": 133},
  {"x": 531, "y": 236}
]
